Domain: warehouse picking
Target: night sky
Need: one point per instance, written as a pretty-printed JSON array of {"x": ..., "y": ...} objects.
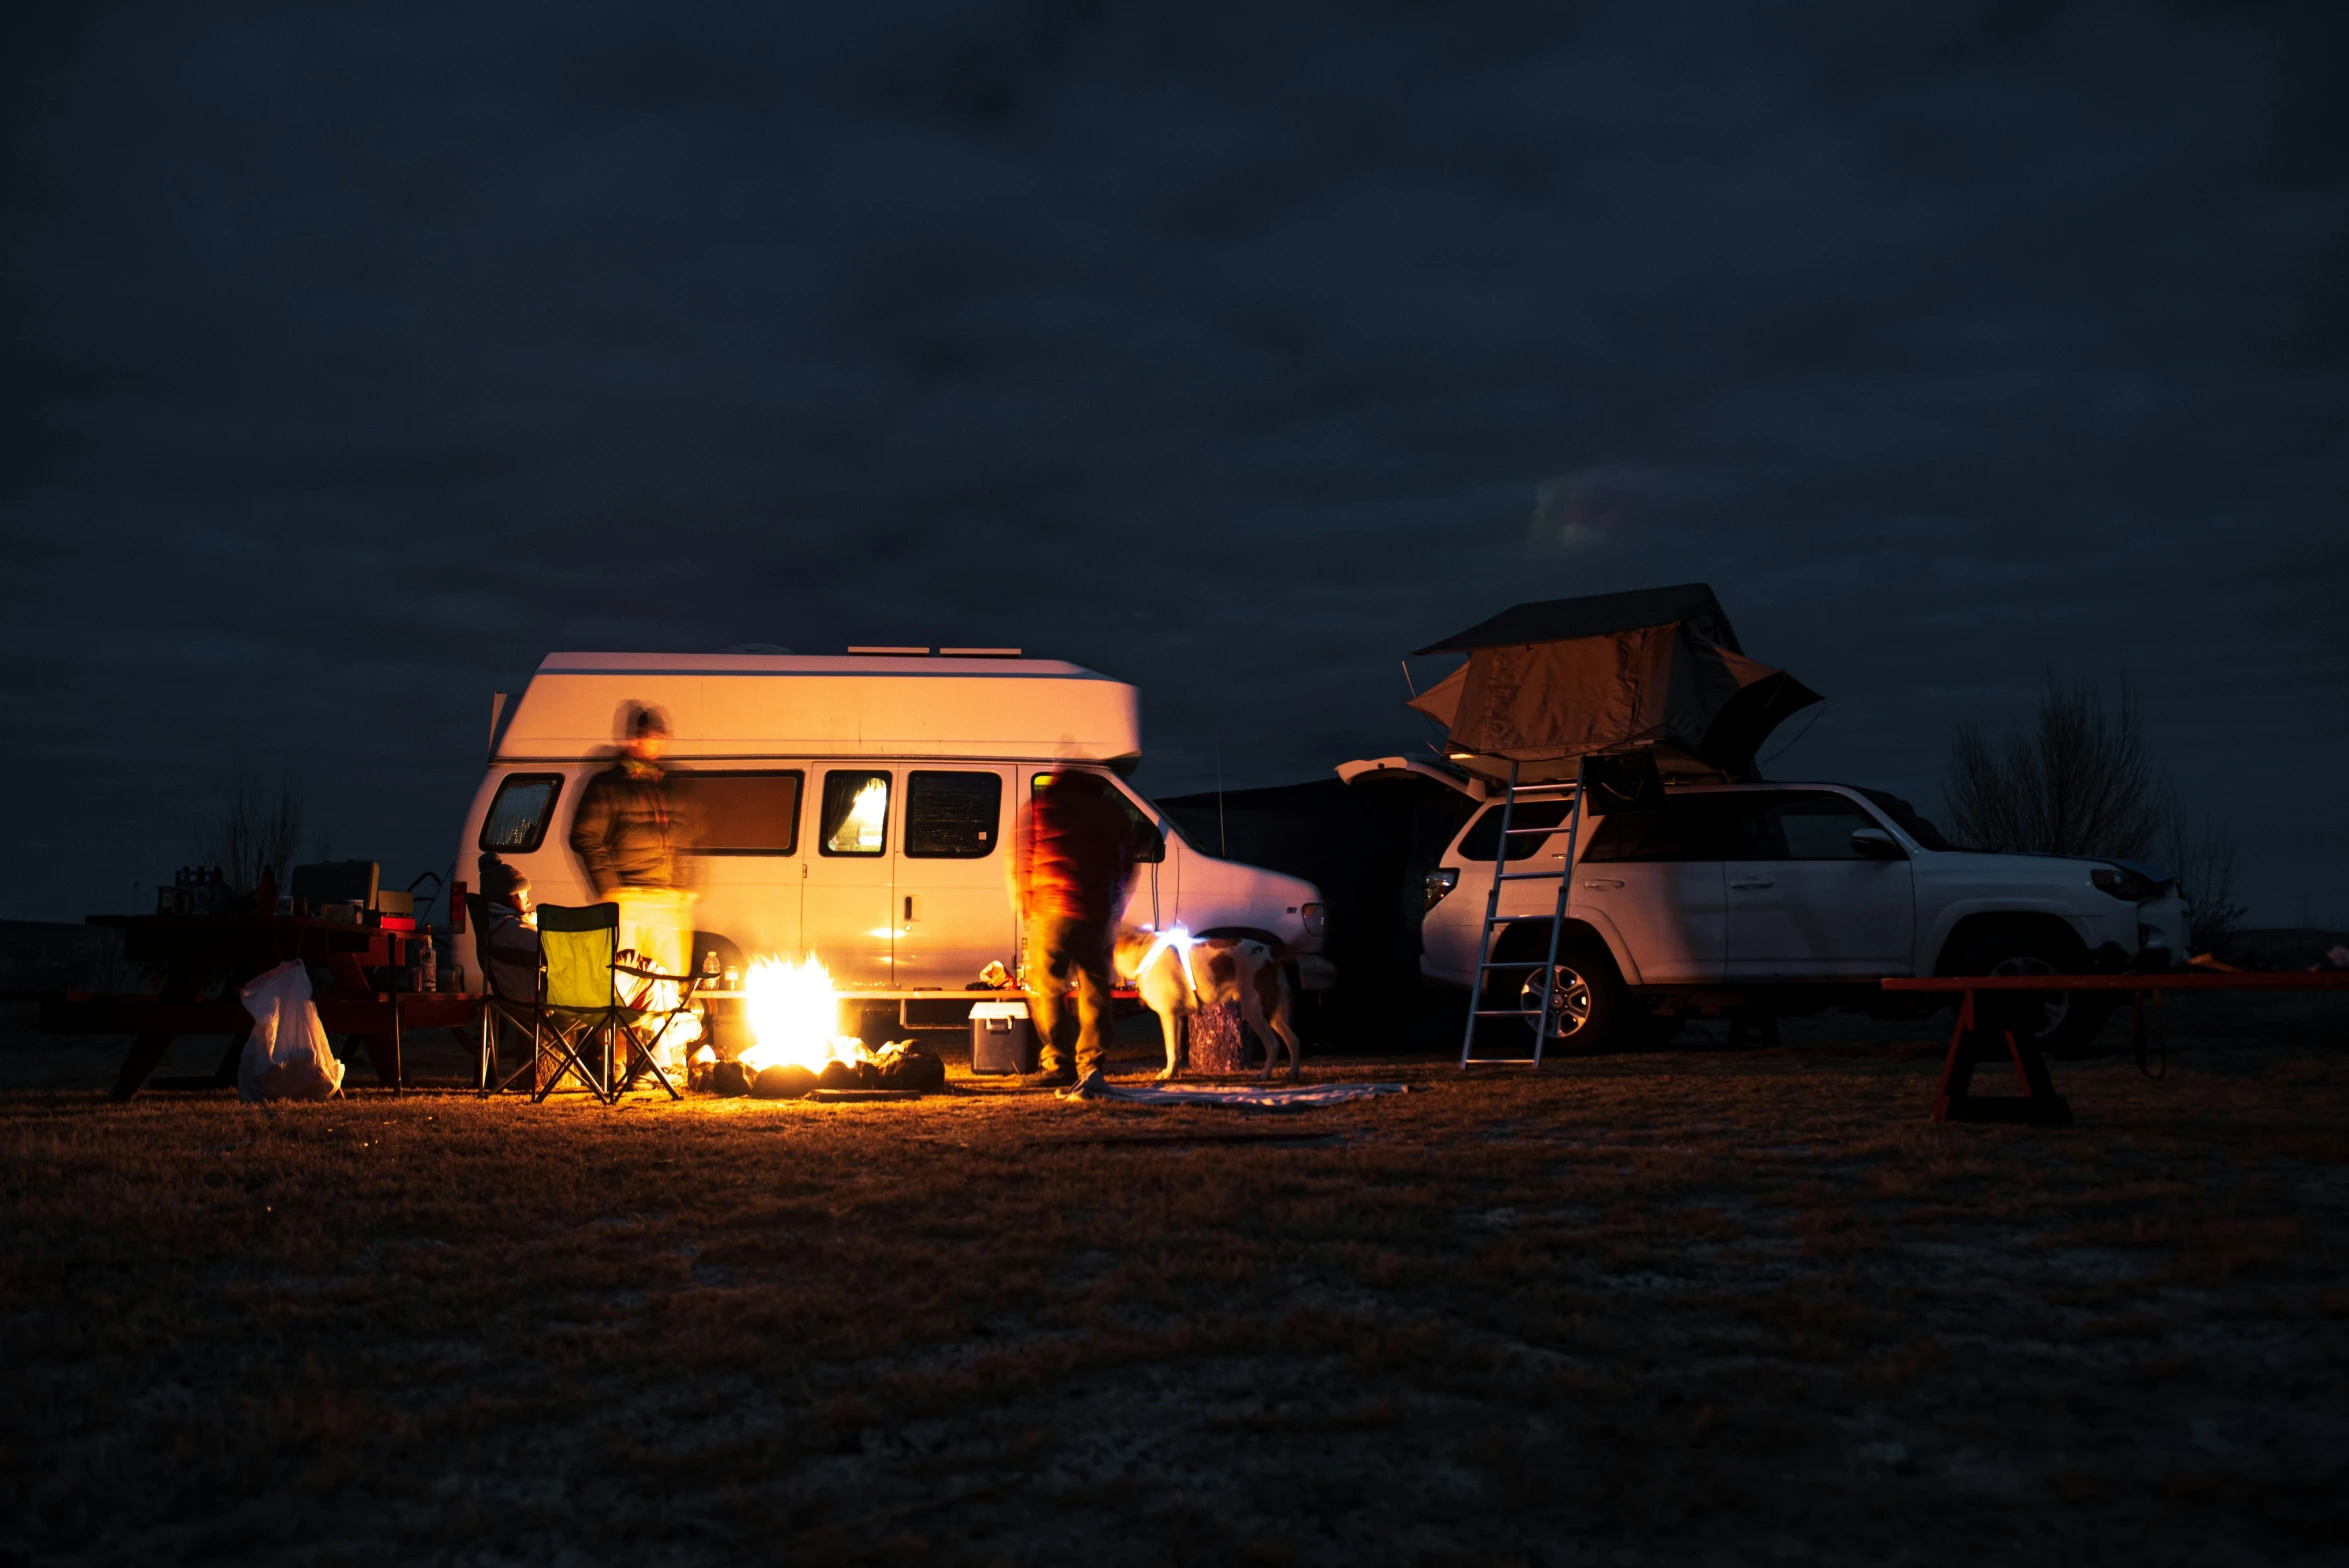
[{"x": 354, "y": 357}]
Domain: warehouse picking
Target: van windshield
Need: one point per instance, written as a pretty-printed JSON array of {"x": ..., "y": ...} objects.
[{"x": 517, "y": 818}]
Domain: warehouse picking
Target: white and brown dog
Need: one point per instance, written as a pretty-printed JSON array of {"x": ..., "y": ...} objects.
[{"x": 1177, "y": 974}]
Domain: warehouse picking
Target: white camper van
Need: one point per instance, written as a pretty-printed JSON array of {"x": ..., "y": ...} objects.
[{"x": 855, "y": 807}]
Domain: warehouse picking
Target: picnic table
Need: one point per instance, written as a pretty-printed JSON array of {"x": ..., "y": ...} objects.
[
  {"x": 1993, "y": 1022},
  {"x": 194, "y": 948}
]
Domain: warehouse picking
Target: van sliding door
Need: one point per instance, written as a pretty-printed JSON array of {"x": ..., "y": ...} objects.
[
  {"x": 848, "y": 921},
  {"x": 953, "y": 903}
]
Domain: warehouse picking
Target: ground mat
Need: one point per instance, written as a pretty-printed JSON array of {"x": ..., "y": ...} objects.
[{"x": 1292, "y": 1097}]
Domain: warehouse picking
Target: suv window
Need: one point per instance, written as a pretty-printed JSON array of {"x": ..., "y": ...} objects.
[
  {"x": 1792, "y": 825},
  {"x": 856, "y": 813},
  {"x": 1688, "y": 827},
  {"x": 1900, "y": 811},
  {"x": 1482, "y": 841},
  {"x": 517, "y": 818},
  {"x": 1816, "y": 825},
  {"x": 745, "y": 813},
  {"x": 952, "y": 816}
]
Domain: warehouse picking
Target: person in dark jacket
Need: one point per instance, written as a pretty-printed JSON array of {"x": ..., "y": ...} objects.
[
  {"x": 507, "y": 943},
  {"x": 635, "y": 831},
  {"x": 1072, "y": 860},
  {"x": 632, "y": 829}
]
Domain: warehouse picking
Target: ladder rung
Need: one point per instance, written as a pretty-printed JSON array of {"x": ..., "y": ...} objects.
[
  {"x": 1513, "y": 832},
  {"x": 1513, "y": 963},
  {"x": 1508, "y": 1012},
  {"x": 1529, "y": 876}
]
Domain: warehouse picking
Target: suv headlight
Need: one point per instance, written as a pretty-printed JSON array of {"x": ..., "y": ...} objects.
[
  {"x": 1439, "y": 882},
  {"x": 2127, "y": 886}
]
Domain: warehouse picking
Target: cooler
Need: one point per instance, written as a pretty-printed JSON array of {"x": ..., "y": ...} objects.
[{"x": 1002, "y": 1039}]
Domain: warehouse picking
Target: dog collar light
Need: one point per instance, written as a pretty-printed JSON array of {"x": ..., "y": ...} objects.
[{"x": 1179, "y": 941}]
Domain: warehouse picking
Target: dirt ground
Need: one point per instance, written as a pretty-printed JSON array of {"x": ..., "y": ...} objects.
[{"x": 1692, "y": 1305}]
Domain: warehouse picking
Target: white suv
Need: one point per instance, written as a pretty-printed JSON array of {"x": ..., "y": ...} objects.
[{"x": 1777, "y": 897}]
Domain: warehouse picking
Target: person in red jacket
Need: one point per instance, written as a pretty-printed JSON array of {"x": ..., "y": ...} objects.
[{"x": 1072, "y": 859}]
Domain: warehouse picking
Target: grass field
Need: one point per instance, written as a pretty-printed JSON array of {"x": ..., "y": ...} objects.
[{"x": 1690, "y": 1305}]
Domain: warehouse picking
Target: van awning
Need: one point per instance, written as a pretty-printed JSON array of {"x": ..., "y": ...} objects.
[{"x": 1549, "y": 683}]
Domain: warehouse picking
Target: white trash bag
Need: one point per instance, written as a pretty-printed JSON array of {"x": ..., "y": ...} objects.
[{"x": 286, "y": 1056}]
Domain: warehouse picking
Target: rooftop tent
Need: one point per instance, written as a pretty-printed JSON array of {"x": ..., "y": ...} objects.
[{"x": 1548, "y": 683}]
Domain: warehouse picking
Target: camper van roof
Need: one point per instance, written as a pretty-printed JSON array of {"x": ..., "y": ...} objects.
[{"x": 811, "y": 705}]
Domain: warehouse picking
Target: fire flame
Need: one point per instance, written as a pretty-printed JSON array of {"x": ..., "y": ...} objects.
[{"x": 794, "y": 1016}]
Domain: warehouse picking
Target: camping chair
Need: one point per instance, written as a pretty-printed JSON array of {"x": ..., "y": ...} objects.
[
  {"x": 506, "y": 1010},
  {"x": 578, "y": 997},
  {"x": 583, "y": 995},
  {"x": 638, "y": 1012}
]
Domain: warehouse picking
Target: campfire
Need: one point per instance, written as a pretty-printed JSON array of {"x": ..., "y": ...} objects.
[
  {"x": 794, "y": 1016},
  {"x": 797, "y": 1049}
]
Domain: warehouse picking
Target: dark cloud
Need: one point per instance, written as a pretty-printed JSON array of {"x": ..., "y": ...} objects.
[{"x": 357, "y": 357}]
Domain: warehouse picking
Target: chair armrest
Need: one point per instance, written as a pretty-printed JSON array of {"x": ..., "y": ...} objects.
[{"x": 691, "y": 980}]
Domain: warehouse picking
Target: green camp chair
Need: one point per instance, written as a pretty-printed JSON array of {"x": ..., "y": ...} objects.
[
  {"x": 637, "y": 1017},
  {"x": 578, "y": 996},
  {"x": 583, "y": 996}
]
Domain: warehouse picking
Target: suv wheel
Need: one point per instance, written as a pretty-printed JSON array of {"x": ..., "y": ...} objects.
[
  {"x": 2066, "y": 1020},
  {"x": 1589, "y": 1009}
]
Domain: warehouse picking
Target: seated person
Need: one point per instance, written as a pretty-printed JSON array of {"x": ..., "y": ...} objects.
[{"x": 509, "y": 942}]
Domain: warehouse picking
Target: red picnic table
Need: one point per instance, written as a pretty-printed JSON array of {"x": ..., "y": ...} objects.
[
  {"x": 194, "y": 948},
  {"x": 1993, "y": 1021}
]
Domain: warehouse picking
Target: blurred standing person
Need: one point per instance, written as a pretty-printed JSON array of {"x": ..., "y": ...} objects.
[
  {"x": 634, "y": 831},
  {"x": 1072, "y": 858}
]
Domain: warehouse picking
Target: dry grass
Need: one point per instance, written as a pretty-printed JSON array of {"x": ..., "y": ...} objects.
[{"x": 1667, "y": 1307}]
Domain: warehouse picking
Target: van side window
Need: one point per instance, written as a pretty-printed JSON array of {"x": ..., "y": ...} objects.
[
  {"x": 856, "y": 813},
  {"x": 1149, "y": 840},
  {"x": 952, "y": 816},
  {"x": 744, "y": 813},
  {"x": 1483, "y": 841},
  {"x": 517, "y": 818}
]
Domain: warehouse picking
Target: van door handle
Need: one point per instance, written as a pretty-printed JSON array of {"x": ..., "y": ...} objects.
[
  {"x": 909, "y": 914},
  {"x": 1601, "y": 884},
  {"x": 1751, "y": 882}
]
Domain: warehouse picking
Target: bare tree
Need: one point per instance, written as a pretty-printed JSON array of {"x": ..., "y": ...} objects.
[
  {"x": 2077, "y": 783},
  {"x": 2202, "y": 858},
  {"x": 255, "y": 833}
]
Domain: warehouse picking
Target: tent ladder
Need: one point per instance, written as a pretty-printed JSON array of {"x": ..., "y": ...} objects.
[{"x": 1493, "y": 919}]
